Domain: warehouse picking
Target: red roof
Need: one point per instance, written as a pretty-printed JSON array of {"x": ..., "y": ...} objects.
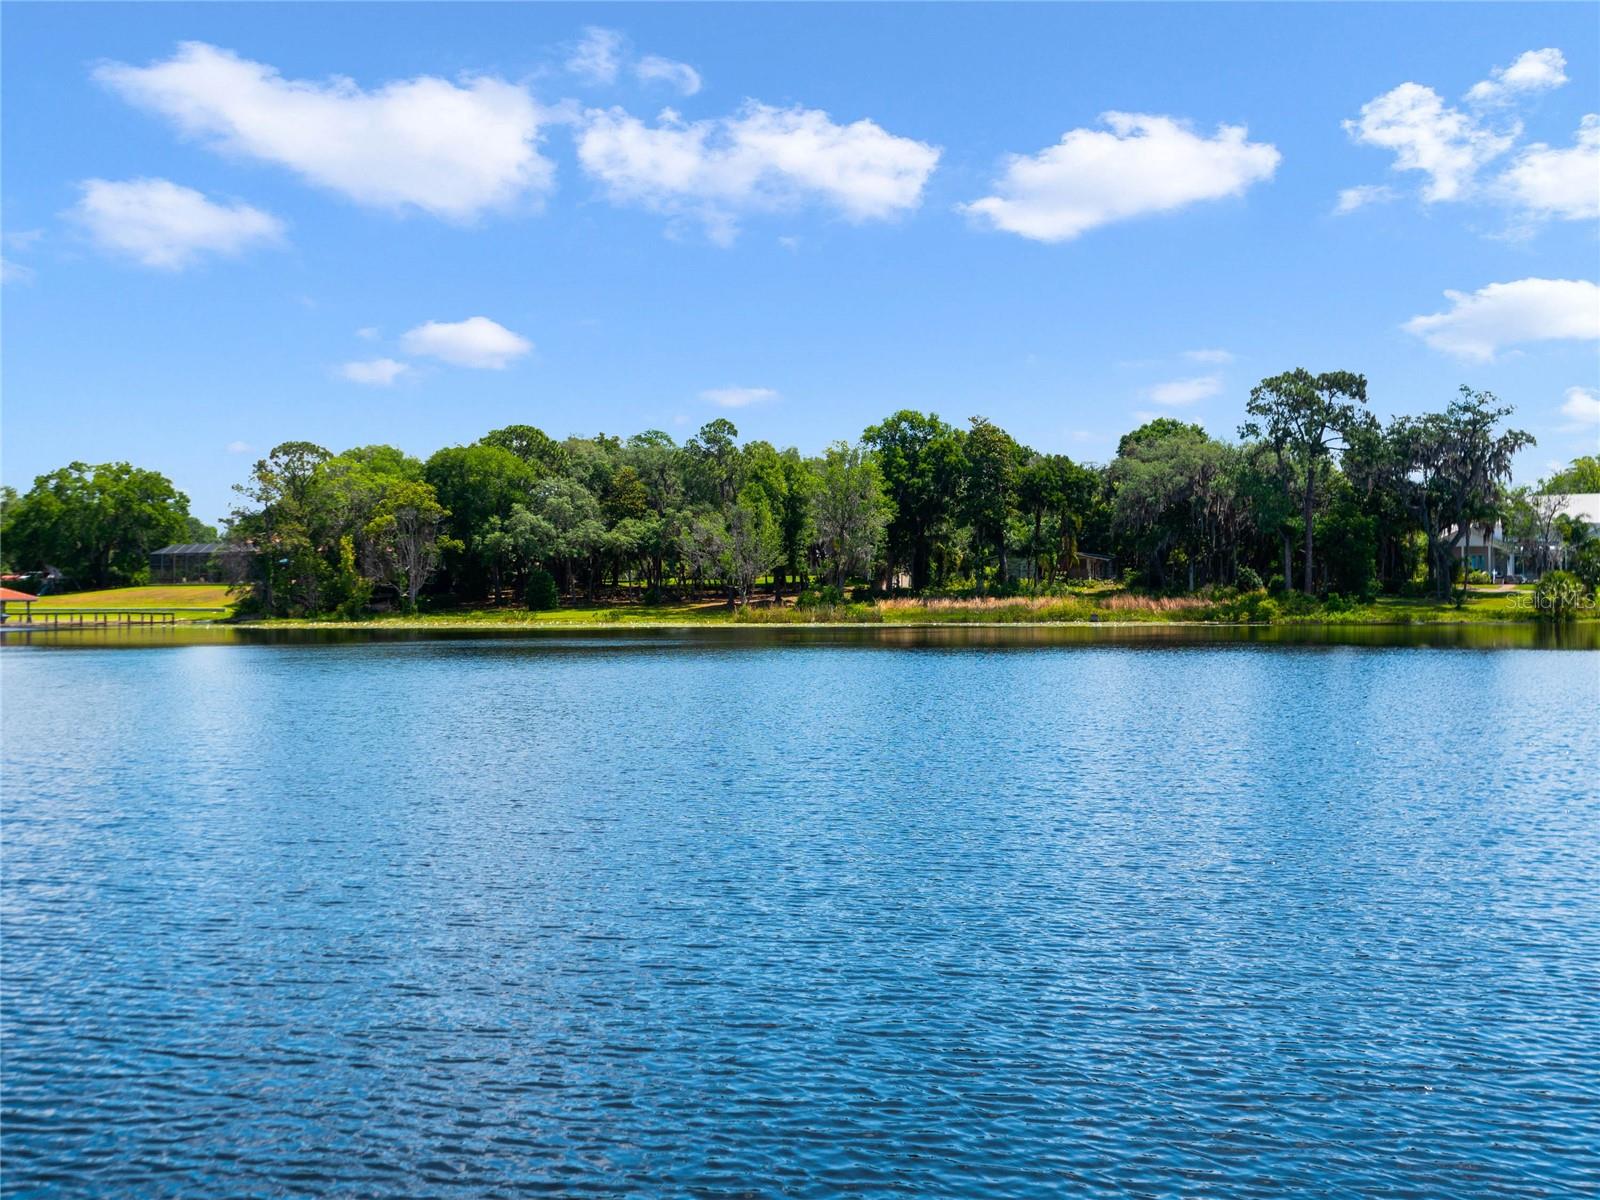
[{"x": 12, "y": 594}]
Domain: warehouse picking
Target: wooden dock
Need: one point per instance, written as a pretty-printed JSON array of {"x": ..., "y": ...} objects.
[{"x": 73, "y": 620}]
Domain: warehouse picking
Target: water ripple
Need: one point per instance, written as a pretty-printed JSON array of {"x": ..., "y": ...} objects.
[{"x": 497, "y": 920}]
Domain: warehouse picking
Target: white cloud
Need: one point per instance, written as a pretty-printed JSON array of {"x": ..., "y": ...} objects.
[
  {"x": 1450, "y": 145},
  {"x": 447, "y": 149},
  {"x": 738, "y": 397},
  {"x": 1558, "y": 183},
  {"x": 1144, "y": 164},
  {"x": 160, "y": 224},
  {"x": 22, "y": 240},
  {"x": 597, "y": 58},
  {"x": 1221, "y": 357},
  {"x": 1179, "y": 392},
  {"x": 1534, "y": 71},
  {"x": 652, "y": 68},
  {"x": 1479, "y": 324},
  {"x": 368, "y": 333},
  {"x": 238, "y": 447},
  {"x": 377, "y": 372},
  {"x": 475, "y": 342},
  {"x": 1352, "y": 198},
  {"x": 1430, "y": 136},
  {"x": 1583, "y": 406},
  {"x": 762, "y": 158}
]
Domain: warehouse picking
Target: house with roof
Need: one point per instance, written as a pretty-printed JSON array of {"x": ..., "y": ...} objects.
[{"x": 1486, "y": 547}]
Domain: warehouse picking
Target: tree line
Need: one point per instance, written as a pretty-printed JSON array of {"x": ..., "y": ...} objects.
[
  {"x": 1315, "y": 495},
  {"x": 97, "y": 525}
]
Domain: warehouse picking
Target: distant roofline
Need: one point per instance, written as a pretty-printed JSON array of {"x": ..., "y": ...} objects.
[{"x": 195, "y": 548}]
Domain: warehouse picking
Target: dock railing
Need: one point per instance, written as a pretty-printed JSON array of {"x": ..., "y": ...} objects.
[{"x": 64, "y": 620}]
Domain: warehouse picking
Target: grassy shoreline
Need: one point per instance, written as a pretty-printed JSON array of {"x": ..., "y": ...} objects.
[
  {"x": 1091, "y": 607},
  {"x": 1072, "y": 611}
]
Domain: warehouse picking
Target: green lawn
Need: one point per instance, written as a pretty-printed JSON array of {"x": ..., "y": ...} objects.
[{"x": 191, "y": 601}]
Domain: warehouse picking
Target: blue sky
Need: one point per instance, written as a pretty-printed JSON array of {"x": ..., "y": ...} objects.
[{"x": 228, "y": 226}]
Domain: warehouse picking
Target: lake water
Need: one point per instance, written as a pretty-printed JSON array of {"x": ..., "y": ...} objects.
[{"x": 800, "y": 915}]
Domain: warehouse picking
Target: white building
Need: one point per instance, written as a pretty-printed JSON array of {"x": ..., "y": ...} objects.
[{"x": 1485, "y": 548}]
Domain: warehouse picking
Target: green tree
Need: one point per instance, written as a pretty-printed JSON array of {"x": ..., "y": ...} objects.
[
  {"x": 404, "y": 538},
  {"x": 282, "y": 522},
  {"x": 382, "y": 462},
  {"x": 922, "y": 462},
  {"x": 479, "y": 485},
  {"x": 1305, "y": 419},
  {"x": 1174, "y": 504},
  {"x": 849, "y": 511},
  {"x": 989, "y": 492},
  {"x": 560, "y": 525},
  {"x": 626, "y": 496},
  {"x": 702, "y": 545},
  {"x": 1533, "y": 522},
  {"x": 713, "y": 463},
  {"x": 1270, "y": 506},
  {"x": 1454, "y": 468},
  {"x": 8, "y": 505},
  {"x": 1349, "y": 540},
  {"x": 754, "y": 543},
  {"x": 196, "y": 530},
  {"x": 1373, "y": 463},
  {"x": 1058, "y": 499},
  {"x": 1583, "y": 475},
  {"x": 95, "y": 524},
  {"x": 1574, "y": 531},
  {"x": 656, "y": 460},
  {"x": 1586, "y": 566},
  {"x": 786, "y": 482},
  {"x": 533, "y": 446}
]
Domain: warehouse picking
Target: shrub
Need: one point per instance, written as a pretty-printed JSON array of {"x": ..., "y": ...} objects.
[
  {"x": 1252, "y": 607},
  {"x": 1249, "y": 580},
  {"x": 1586, "y": 565},
  {"x": 1337, "y": 603},
  {"x": 1298, "y": 604},
  {"x": 779, "y": 615},
  {"x": 1478, "y": 577},
  {"x": 1275, "y": 584},
  {"x": 826, "y": 596},
  {"x": 1559, "y": 596},
  {"x": 541, "y": 593}
]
